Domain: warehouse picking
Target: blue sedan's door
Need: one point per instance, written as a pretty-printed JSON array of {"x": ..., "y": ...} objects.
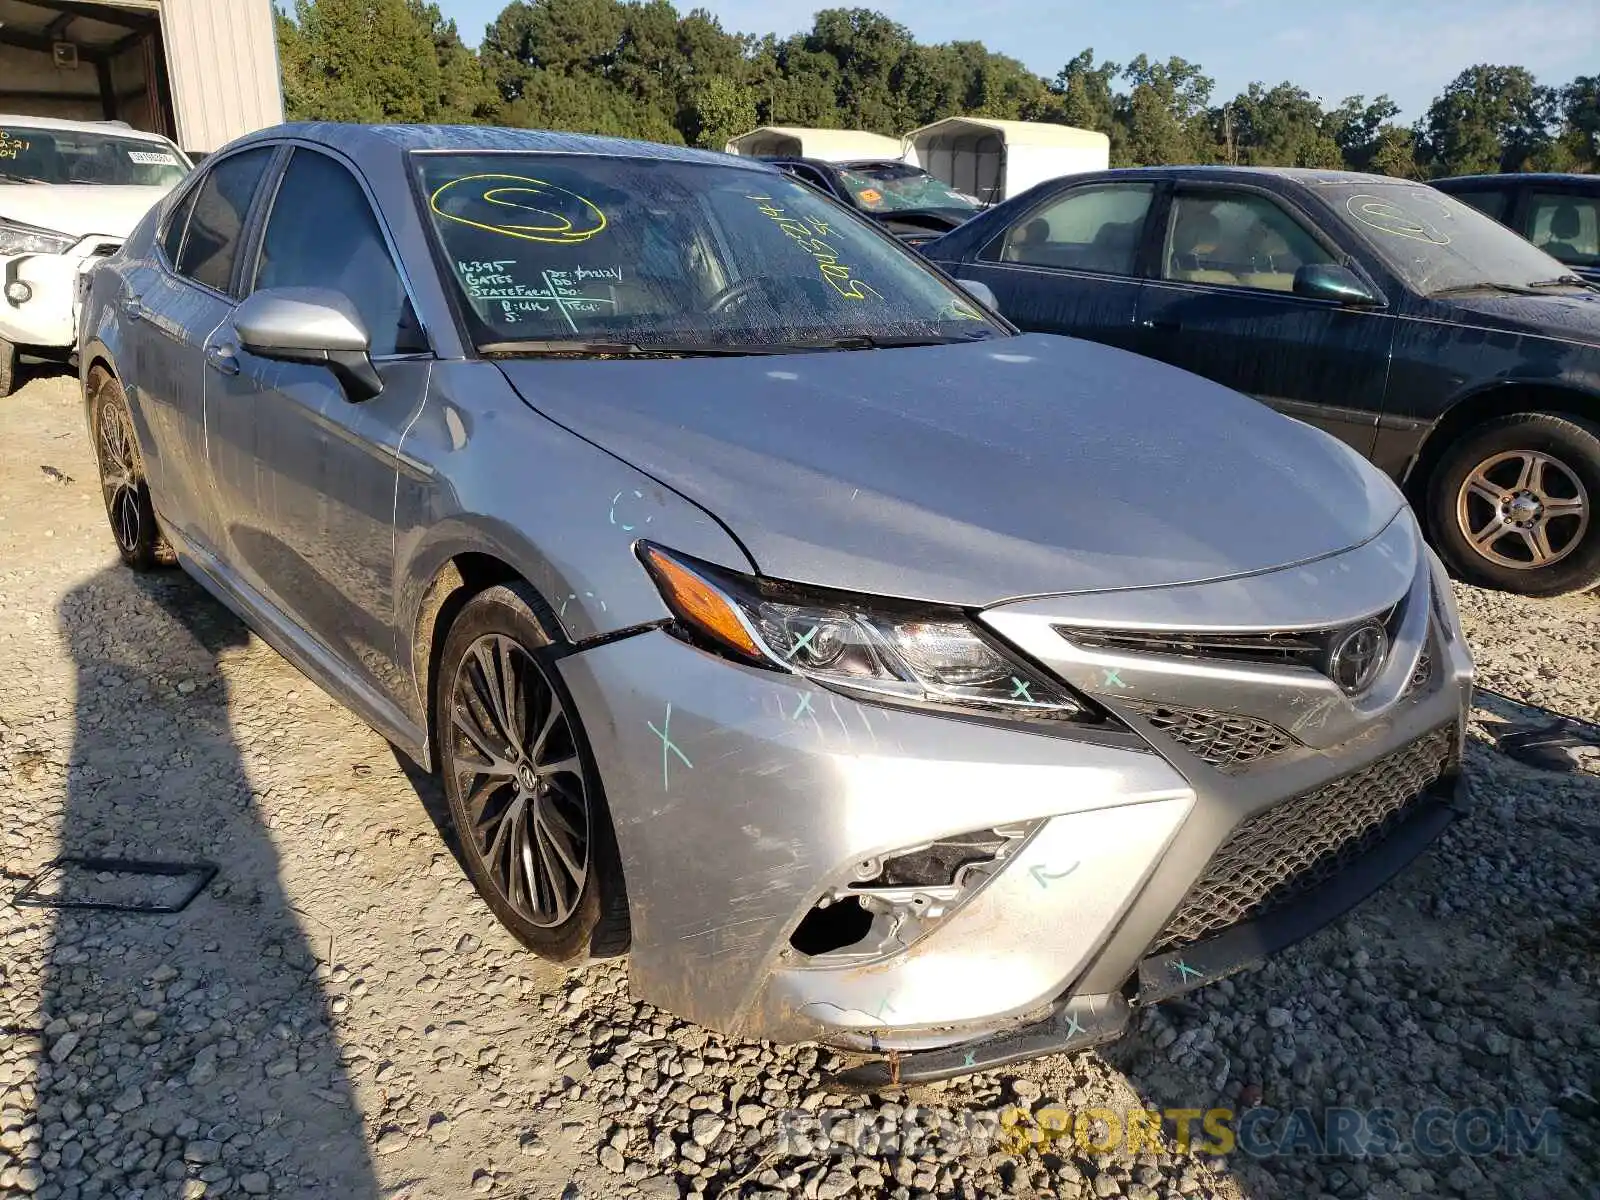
[
  {"x": 305, "y": 475},
  {"x": 1071, "y": 264},
  {"x": 1225, "y": 307}
]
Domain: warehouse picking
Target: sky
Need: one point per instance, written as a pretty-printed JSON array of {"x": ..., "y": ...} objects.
[{"x": 1408, "y": 48}]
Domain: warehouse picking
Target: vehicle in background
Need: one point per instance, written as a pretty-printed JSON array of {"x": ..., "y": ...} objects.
[
  {"x": 1459, "y": 358},
  {"x": 198, "y": 72},
  {"x": 905, "y": 200},
  {"x": 865, "y": 669},
  {"x": 995, "y": 160},
  {"x": 70, "y": 192},
  {"x": 1560, "y": 214}
]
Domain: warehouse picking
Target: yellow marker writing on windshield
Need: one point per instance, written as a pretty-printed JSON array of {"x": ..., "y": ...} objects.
[{"x": 519, "y": 206}]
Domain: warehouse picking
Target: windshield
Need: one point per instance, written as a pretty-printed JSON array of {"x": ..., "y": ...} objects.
[
  {"x": 643, "y": 252},
  {"x": 69, "y": 156},
  {"x": 896, "y": 187},
  {"x": 1437, "y": 243}
]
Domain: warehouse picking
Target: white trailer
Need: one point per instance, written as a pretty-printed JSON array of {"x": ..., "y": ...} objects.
[
  {"x": 995, "y": 160},
  {"x": 830, "y": 145},
  {"x": 200, "y": 72}
]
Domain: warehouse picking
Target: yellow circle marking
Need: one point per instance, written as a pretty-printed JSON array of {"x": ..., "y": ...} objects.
[{"x": 494, "y": 189}]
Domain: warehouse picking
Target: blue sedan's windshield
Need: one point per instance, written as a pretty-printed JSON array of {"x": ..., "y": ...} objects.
[{"x": 549, "y": 247}]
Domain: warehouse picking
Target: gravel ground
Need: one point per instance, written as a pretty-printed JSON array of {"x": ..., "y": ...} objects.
[{"x": 338, "y": 1016}]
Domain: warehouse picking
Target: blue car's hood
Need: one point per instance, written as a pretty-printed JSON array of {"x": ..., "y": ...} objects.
[{"x": 972, "y": 473}]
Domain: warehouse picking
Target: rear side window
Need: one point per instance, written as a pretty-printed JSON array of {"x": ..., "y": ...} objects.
[
  {"x": 1088, "y": 229},
  {"x": 216, "y": 223},
  {"x": 1566, "y": 227},
  {"x": 172, "y": 240},
  {"x": 323, "y": 234},
  {"x": 1491, "y": 203}
]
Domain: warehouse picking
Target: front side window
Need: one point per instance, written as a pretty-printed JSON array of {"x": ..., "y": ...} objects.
[
  {"x": 1088, "y": 229},
  {"x": 177, "y": 222},
  {"x": 322, "y": 233},
  {"x": 1566, "y": 227},
  {"x": 545, "y": 247},
  {"x": 30, "y": 155},
  {"x": 1236, "y": 240},
  {"x": 216, "y": 223},
  {"x": 1437, "y": 243}
]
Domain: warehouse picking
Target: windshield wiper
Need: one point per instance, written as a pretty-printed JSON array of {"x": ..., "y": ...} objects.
[
  {"x": 563, "y": 348},
  {"x": 6, "y": 175},
  {"x": 1460, "y": 288},
  {"x": 1561, "y": 281}
]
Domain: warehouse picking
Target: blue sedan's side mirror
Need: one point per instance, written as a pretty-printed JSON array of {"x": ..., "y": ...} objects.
[
  {"x": 981, "y": 293},
  {"x": 1330, "y": 281}
]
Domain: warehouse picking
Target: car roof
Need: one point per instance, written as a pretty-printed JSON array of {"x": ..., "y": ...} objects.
[
  {"x": 376, "y": 148},
  {"x": 119, "y": 128},
  {"x": 1309, "y": 176},
  {"x": 1509, "y": 179}
]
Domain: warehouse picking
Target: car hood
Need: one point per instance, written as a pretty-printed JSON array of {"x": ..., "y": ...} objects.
[
  {"x": 1570, "y": 316},
  {"x": 78, "y": 208},
  {"x": 972, "y": 473}
]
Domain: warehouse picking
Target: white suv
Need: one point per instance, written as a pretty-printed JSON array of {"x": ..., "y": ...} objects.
[{"x": 70, "y": 191}]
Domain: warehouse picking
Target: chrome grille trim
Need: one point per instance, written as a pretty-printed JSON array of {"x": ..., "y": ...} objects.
[{"x": 1291, "y": 847}]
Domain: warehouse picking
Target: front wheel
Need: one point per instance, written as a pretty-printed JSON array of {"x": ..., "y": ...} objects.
[
  {"x": 1512, "y": 505},
  {"x": 523, "y": 791}
]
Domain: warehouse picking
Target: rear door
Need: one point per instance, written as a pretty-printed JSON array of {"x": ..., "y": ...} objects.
[
  {"x": 1224, "y": 307},
  {"x": 173, "y": 306},
  {"x": 1071, "y": 263},
  {"x": 305, "y": 477}
]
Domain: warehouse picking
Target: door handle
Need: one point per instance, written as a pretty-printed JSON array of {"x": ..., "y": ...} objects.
[
  {"x": 133, "y": 309},
  {"x": 222, "y": 358}
]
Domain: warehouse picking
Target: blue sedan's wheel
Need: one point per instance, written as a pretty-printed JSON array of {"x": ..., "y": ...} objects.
[
  {"x": 1513, "y": 505},
  {"x": 524, "y": 797}
]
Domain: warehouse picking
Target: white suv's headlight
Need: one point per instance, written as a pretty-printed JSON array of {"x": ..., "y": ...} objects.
[
  {"x": 17, "y": 238},
  {"x": 921, "y": 655}
]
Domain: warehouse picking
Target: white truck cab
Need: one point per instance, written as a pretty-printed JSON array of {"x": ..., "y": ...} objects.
[{"x": 70, "y": 192}]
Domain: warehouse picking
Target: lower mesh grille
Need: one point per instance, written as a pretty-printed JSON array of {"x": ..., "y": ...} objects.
[
  {"x": 1228, "y": 741},
  {"x": 1292, "y": 847}
]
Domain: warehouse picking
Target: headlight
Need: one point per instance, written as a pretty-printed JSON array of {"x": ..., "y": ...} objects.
[
  {"x": 913, "y": 654},
  {"x": 17, "y": 238}
]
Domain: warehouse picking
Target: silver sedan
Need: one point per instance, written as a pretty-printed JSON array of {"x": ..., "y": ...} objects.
[{"x": 771, "y": 610}]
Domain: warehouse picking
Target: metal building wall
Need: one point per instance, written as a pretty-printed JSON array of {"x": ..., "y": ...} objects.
[{"x": 222, "y": 60}]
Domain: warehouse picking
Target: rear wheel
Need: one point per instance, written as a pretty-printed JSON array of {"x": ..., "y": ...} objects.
[
  {"x": 122, "y": 483},
  {"x": 522, "y": 788},
  {"x": 1513, "y": 505}
]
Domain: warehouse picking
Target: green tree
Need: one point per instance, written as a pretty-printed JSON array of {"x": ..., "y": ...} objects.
[
  {"x": 1489, "y": 118},
  {"x": 1394, "y": 152},
  {"x": 1087, "y": 93},
  {"x": 1164, "y": 117},
  {"x": 1357, "y": 126},
  {"x": 1283, "y": 127},
  {"x": 719, "y": 109},
  {"x": 360, "y": 60}
]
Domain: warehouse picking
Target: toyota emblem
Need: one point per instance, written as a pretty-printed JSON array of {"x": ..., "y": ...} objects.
[{"x": 1358, "y": 657}]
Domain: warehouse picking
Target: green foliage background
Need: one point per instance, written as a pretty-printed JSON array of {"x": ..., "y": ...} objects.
[{"x": 640, "y": 68}]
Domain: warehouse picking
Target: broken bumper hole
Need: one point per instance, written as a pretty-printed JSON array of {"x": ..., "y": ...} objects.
[{"x": 896, "y": 899}]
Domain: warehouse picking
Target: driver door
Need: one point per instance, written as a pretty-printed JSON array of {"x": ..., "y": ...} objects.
[{"x": 305, "y": 476}]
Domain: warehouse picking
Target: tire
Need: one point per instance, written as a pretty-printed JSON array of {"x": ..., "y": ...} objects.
[
  {"x": 8, "y": 368},
  {"x": 525, "y": 806},
  {"x": 122, "y": 483},
  {"x": 1511, "y": 475}
]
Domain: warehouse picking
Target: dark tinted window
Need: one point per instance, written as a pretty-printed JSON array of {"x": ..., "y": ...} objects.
[
  {"x": 1491, "y": 203},
  {"x": 173, "y": 239},
  {"x": 217, "y": 222},
  {"x": 1088, "y": 229},
  {"x": 1237, "y": 240},
  {"x": 322, "y": 233}
]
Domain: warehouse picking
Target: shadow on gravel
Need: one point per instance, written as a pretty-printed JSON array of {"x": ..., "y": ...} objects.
[{"x": 194, "y": 1048}]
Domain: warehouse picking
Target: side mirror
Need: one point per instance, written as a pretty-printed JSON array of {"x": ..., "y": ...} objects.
[
  {"x": 310, "y": 325},
  {"x": 1330, "y": 281},
  {"x": 981, "y": 293}
]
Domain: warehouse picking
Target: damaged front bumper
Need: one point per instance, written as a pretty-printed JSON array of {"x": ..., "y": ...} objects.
[{"x": 746, "y": 802}]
